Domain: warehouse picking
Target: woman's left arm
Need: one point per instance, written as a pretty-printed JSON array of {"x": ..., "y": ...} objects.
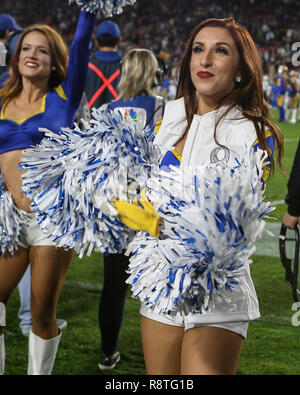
[{"x": 74, "y": 83}]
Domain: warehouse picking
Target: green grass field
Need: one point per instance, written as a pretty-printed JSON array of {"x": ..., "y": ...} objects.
[{"x": 272, "y": 346}]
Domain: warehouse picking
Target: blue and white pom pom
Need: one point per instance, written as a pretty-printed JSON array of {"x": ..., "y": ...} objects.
[
  {"x": 11, "y": 220},
  {"x": 107, "y": 8},
  {"x": 73, "y": 177},
  {"x": 212, "y": 218}
]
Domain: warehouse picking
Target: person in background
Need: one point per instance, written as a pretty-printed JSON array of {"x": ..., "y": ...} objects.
[
  {"x": 9, "y": 35},
  {"x": 293, "y": 99},
  {"x": 104, "y": 66},
  {"x": 140, "y": 76},
  {"x": 44, "y": 90},
  {"x": 291, "y": 217},
  {"x": 281, "y": 90}
]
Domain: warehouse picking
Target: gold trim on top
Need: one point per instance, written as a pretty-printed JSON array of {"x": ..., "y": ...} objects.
[
  {"x": 177, "y": 155},
  {"x": 41, "y": 110}
]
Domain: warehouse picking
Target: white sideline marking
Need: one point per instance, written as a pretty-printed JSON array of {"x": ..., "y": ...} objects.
[
  {"x": 269, "y": 245},
  {"x": 277, "y": 202},
  {"x": 291, "y": 140},
  {"x": 83, "y": 285}
]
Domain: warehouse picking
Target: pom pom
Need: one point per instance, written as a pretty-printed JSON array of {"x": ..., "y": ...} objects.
[
  {"x": 11, "y": 220},
  {"x": 107, "y": 8},
  {"x": 212, "y": 218},
  {"x": 73, "y": 177}
]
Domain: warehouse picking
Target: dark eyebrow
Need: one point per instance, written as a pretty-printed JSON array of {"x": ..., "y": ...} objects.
[
  {"x": 217, "y": 43},
  {"x": 38, "y": 46}
]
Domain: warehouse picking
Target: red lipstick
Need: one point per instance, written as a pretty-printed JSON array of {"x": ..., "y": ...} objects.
[{"x": 204, "y": 74}]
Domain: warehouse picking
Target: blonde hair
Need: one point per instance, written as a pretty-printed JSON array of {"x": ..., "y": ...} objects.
[{"x": 139, "y": 69}]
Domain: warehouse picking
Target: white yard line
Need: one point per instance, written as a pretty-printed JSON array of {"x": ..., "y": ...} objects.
[
  {"x": 277, "y": 202},
  {"x": 83, "y": 285},
  {"x": 269, "y": 245},
  {"x": 291, "y": 140}
]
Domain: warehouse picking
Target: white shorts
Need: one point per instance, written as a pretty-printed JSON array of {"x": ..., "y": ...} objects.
[
  {"x": 188, "y": 321},
  {"x": 31, "y": 234}
]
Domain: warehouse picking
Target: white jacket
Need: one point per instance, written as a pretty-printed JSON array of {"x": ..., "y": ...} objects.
[
  {"x": 235, "y": 132},
  {"x": 238, "y": 135}
]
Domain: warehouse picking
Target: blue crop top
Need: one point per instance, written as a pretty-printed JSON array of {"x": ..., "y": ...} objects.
[{"x": 59, "y": 106}]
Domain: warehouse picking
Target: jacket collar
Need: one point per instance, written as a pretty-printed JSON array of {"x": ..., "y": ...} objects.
[{"x": 174, "y": 121}]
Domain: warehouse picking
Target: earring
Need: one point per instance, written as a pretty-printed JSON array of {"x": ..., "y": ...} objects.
[
  {"x": 53, "y": 68},
  {"x": 238, "y": 79}
]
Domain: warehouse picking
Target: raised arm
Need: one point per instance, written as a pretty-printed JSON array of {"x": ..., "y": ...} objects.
[{"x": 74, "y": 83}]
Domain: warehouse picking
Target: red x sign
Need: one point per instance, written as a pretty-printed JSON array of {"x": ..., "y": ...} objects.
[{"x": 106, "y": 84}]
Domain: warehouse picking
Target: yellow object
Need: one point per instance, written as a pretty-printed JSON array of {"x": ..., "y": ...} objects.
[
  {"x": 266, "y": 173},
  {"x": 295, "y": 101},
  {"x": 177, "y": 155},
  {"x": 60, "y": 91},
  {"x": 279, "y": 101},
  {"x": 156, "y": 127},
  {"x": 293, "y": 73},
  {"x": 139, "y": 215},
  {"x": 282, "y": 69},
  {"x": 266, "y": 168}
]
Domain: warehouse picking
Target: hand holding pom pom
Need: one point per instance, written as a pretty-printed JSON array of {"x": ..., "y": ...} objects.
[{"x": 139, "y": 216}]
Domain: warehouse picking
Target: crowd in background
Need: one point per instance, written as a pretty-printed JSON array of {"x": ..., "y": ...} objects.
[{"x": 163, "y": 26}]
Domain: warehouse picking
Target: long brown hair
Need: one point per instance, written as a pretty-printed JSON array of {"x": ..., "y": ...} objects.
[
  {"x": 59, "y": 58},
  {"x": 248, "y": 94}
]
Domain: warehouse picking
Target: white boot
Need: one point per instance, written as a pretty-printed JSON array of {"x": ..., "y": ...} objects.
[
  {"x": 294, "y": 115},
  {"x": 2, "y": 345},
  {"x": 41, "y": 354},
  {"x": 287, "y": 113}
]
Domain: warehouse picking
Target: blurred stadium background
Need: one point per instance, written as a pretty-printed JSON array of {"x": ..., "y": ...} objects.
[{"x": 272, "y": 346}]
